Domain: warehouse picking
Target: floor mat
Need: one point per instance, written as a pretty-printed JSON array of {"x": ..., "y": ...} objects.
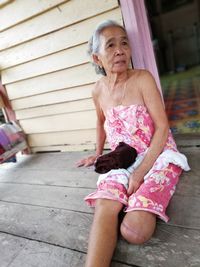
[{"x": 182, "y": 101}]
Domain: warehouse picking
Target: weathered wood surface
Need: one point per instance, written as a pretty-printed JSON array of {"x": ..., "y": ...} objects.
[
  {"x": 67, "y": 107},
  {"x": 189, "y": 140},
  {"x": 45, "y": 67},
  {"x": 68, "y": 37},
  {"x": 42, "y": 213},
  {"x": 21, "y": 11},
  {"x": 68, "y": 138},
  {"x": 54, "y": 81},
  {"x": 60, "y": 60},
  {"x": 61, "y": 122},
  {"x": 23, "y": 252},
  {"x": 59, "y": 17}
]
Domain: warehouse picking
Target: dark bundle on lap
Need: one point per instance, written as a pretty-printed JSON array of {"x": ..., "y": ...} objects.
[{"x": 122, "y": 157}]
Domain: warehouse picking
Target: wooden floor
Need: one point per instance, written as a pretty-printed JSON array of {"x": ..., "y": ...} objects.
[{"x": 44, "y": 221}]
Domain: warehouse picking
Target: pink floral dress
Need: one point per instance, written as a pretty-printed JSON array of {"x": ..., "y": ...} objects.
[{"x": 134, "y": 126}]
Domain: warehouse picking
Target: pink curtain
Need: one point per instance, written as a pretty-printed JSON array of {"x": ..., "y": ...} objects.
[{"x": 137, "y": 27}]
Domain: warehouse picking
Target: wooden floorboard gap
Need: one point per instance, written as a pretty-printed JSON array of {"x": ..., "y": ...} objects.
[
  {"x": 41, "y": 241},
  {"x": 48, "y": 207},
  {"x": 53, "y": 185}
]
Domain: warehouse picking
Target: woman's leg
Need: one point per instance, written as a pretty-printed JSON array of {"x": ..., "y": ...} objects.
[
  {"x": 103, "y": 234},
  {"x": 138, "y": 226}
]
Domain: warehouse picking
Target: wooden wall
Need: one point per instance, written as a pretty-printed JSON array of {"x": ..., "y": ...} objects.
[{"x": 46, "y": 71}]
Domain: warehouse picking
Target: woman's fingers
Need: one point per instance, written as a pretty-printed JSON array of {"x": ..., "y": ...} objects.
[
  {"x": 89, "y": 163},
  {"x": 86, "y": 162},
  {"x": 133, "y": 186},
  {"x": 80, "y": 163}
]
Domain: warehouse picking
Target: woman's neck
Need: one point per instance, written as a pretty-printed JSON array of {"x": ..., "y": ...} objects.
[{"x": 116, "y": 78}]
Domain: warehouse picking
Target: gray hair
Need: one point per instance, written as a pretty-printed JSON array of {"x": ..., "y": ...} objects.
[{"x": 94, "y": 42}]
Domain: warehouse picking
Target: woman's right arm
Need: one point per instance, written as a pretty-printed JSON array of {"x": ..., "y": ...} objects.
[{"x": 100, "y": 132}]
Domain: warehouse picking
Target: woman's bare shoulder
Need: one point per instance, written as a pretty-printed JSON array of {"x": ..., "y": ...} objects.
[
  {"x": 144, "y": 80},
  {"x": 139, "y": 74},
  {"x": 97, "y": 88}
]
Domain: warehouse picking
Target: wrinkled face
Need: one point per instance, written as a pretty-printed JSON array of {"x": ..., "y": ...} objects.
[{"x": 114, "y": 52}]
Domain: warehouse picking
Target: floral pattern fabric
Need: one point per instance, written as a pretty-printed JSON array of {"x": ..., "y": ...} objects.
[
  {"x": 156, "y": 191},
  {"x": 134, "y": 126}
]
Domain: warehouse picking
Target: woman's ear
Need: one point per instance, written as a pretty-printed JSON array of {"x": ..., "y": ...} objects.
[{"x": 96, "y": 59}]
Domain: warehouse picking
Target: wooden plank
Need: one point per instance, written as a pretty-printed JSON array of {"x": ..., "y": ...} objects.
[
  {"x": 68, "y": 107},
  {"x": 48, "y": 196},
  {"x": 169, "y": 247},
  {"x": 46, "y": 161},
  {"x": 183, "y": 211},
  {"x": 67, "y": 148},
  {"x": 72, "y": 77},
  {"x": 56, "y": 41},
  {"x": 63, "y": 148},
  {"x": 47, "y": 110},
  {"x": 186, "y": 140},
  {"x": 187, "y": 149},
  {"x": 21, "y": 11},
  {"x": 64, "y": 178},
  {"x": 61, "y": 122},
  {"x": 192, "y": 156},
  {"x": 189, "y": 184},
  {"x": 81, "y": 93},
  {"x": 18, "y": 251},
  {"x": 55, "y": 19},
  {"x": 10, "y": 246},
  {"x": 4, "y": 2},
  {"x": 65, "y": 138},
  {"x": 54, "y": 62}
]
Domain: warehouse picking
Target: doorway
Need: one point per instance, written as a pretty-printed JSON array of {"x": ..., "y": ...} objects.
[{"x": 175, "y": 26}]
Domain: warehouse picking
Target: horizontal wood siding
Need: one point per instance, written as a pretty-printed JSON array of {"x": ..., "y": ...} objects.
[
  {"x": 23, "y": 10},
  {"x": 46, "y": 70}
]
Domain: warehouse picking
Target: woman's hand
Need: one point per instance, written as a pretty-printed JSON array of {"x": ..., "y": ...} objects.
[
  {"x": 89, "y": 161},
  {"x": 135, "y": 180}
]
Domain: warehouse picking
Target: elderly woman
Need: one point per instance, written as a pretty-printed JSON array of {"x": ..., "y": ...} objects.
[{"x": 129, "y": 109}]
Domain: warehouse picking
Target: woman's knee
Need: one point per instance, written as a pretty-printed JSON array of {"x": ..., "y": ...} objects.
[
  {"x": 108, "y": 206},
  {"x": 138, "y": 227}
]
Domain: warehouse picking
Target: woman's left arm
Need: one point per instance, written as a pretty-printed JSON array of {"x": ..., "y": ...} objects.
[{"x": 153, "y": 102}]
